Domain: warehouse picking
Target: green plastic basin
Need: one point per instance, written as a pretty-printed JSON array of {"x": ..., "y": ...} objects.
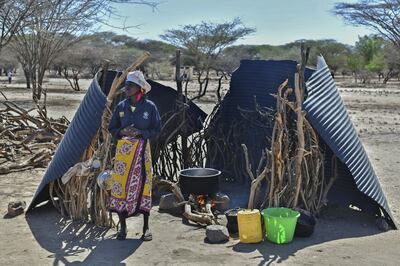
[{"x": 280, "y": 224}]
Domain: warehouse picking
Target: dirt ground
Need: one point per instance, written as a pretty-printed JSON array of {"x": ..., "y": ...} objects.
[{"x": 342, "y": 237}]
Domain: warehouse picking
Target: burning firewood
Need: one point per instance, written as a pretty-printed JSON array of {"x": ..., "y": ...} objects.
[
  {"x": 198, "y": 218},
  {"x": 197, "y": 209}
]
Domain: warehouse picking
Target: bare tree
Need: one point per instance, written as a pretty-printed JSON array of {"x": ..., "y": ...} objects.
[
  {"x": 12, "y": 18},
  {"x": 55, "y": 26},
  {"x": 47, "y": 33},
  {"x": 382, "y": 16},
  {"x": 72, "y": 64}
]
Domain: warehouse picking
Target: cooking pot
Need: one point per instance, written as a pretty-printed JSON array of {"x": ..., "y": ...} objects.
[{"x": 200, "y": 181}]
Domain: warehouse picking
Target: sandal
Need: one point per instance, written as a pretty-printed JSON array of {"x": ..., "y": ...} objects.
[
  {"x": 147, "y": 236},
  {"x": 15, "y": 208}
]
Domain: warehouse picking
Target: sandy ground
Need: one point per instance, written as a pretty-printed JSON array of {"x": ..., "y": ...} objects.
[{"x": 343, "y": 237}]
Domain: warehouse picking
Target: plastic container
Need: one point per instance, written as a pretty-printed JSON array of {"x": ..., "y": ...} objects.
[
  {"x": 249, "y": 224},
  {"x": 305, "y": 224},
  {"x": 231, "y": 216},
  {"x": 280, "y": 224}
]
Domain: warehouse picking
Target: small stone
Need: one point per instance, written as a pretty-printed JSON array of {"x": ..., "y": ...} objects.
[
  {"x": 222, "y": 220},
  {"x": 168, "y": 203},
  {"x": 217, "y": 233},
  {"x": 382, "y": 224}
]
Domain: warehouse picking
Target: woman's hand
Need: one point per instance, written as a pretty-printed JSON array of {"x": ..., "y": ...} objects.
[{"x": 130, "y": 131}]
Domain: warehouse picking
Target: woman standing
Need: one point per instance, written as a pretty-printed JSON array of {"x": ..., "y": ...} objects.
[{"x": 134, "y": 122}]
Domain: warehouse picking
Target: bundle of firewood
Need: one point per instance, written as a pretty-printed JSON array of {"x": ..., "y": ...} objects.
[
  {"x": 293, "y": 167},
  {"x": 27, "y": 140}
]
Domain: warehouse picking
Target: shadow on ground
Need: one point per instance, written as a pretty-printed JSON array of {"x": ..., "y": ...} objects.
[
  {"x": 334, "y": 224},
  {"x": 77, "y": 243},
  {"x": 67, "y": 239}
]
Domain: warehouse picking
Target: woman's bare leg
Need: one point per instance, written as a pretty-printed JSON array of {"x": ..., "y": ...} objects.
[
  {"x": 145, "y": 222},
  {"x": 122, "y": 232},
  {"x": 147, "y": 236}
]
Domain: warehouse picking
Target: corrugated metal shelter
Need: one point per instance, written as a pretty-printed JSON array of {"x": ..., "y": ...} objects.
[
  {"x": 87, "y": 120},
  {"x": 253, "y": 80},
  {"x": 80, "y": 132},
  {"x": 358, "y": 184}
]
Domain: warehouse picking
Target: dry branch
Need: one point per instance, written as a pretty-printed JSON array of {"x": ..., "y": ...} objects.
[
  {"x": 27, "y": 140},
  {"x": 300, "y": 138}
]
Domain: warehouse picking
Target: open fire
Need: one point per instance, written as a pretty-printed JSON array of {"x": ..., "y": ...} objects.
[{"x": 201, "y": 200}]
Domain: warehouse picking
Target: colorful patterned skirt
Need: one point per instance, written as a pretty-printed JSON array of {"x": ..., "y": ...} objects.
[{"x": 132, "y": 178}]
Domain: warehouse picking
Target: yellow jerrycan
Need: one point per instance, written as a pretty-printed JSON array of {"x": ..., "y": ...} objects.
[{"x": 249, "y": 223}]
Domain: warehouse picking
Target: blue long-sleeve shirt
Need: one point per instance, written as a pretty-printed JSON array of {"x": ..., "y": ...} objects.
[{"x": 144, "y": 117}]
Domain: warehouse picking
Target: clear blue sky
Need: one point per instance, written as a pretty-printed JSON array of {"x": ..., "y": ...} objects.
[{"x": 276, "y": 21}]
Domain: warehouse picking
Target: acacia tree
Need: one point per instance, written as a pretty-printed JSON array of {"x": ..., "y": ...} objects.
[
  {"x": 73, "y": 63},
  {"x": 83, "y": 59},
  {"x": 391, "y": 61},
  {"x": 383, "y": 16},
  {"x": 367, "y": 57},
  {"x": 203, "y": 44}
]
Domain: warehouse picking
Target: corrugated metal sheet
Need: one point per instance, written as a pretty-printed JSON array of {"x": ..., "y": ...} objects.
[
  {"x": 328, "y": 115},
  {"x": 77, "y": 137},
  {"x": 87, "y": 120},
  {"x": 253, "y": 78},
  {"x": 165, "y": 97},
  {"x": 259, "y": 78}
]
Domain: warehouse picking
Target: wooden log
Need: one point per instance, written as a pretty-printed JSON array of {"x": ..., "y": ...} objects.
[
  {"x": 173, "y": 187},
  {"x": 197, "y": 218},
  {"x": 38, "y": 159}
]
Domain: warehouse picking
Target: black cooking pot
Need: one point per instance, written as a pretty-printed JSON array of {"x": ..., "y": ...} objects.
[{"x": 201, "y": 181}]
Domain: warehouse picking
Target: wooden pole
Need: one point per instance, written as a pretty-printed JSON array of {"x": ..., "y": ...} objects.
[
  {"x": 299, "y": 92},
  {"x": 182, "y": 99},
  {"x": 118, "y": 81},
  {"x": 178, "y": 74}
]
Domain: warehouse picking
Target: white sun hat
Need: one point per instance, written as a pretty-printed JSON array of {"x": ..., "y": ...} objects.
[{"x": 137, "y": 77}]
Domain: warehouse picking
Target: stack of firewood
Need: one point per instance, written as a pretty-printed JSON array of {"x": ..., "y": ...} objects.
[
  {"x": 28, "y": 139},
  {"x": 293, "y": 167}
]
